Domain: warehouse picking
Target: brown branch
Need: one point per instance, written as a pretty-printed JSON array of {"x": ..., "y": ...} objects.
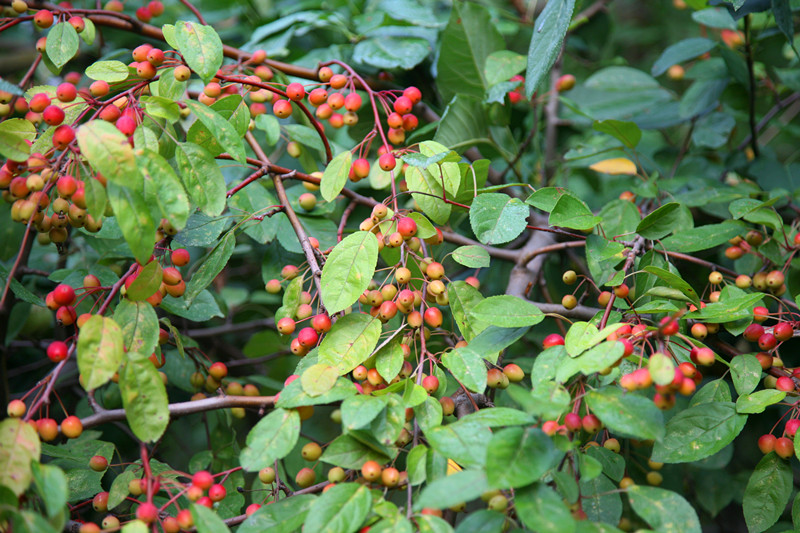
[
  {"x": 185, "y": 408},
  {"x": 781, "y": 104},
  {"x": 194, "y": 11},
  {"x": 231, "y": 328}
]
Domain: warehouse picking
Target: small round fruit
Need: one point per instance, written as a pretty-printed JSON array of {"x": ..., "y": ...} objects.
[
  {"x": 98, "y": 463},
  {"x": 266, "y": 475},
  {"x": 202, "y": 479},
  {"x": 554, "y": 339},
  {"x": 218, "y": 371},
  {"x": 307, "y": 201},
  {"x": 766, "y": 443},
  {"x": 217, "y": 492},
  {"x": 387, "y": 162},
  {"x": 305, "y": 478},
  {"x": 72, "y": 427},
  {"x": 569, "y": 301},
  {"x": 569, "y": 277},
  {"x": 514, "y": 373},
  {"x": 784, "y": 447},
  {"x": 16, "y": 409},
  {"x": 311, "y": 451},
  {"x": 180, "y": 257},
  {"x": 147, "y": 512},
  {"x": 57, "y": 351},
  {"x": 371, "y": 470}
]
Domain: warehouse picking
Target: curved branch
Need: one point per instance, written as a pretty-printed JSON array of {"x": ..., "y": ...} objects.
[{"x": 185, "y": 408}]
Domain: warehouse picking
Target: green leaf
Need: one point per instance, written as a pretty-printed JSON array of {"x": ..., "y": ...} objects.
[
  {"x": 144, "y": 397},
  {"x": 420, "y": 180},
  {"x": 319, "y": 379},
  {"x": 19, "y": 445},
  {"x": 109, "y": 153},
  {"x": 432, "y": 524},
  {"x": 660, "y": 222},
  {"x": 340, "y": 509},
  {"x": 548, "y": 398},
  {"x": 100, "y": 351},
  {"x": 62, "y": 44},
  {"x": 498, "y": 416},
  {"x": 293, "y": 395},
  {"x": 14, "y": 133},
  {"x": 139, "y": 328},
  {"x": 600, "y": 500},
  {"x": 349, "y": 452},
  {"x": 549, "y": 31},
  {"x": 503, "y": 65},
  {"x": 483, "y": 521},
  {"x": 271, "y": 439},
  {"x": 663, "y": 509},
  {"x": 202, "y": 178},
  {"x": 201, "y": 48},
  {"x": 221, "y": 129},
  {"x": 451, "y": 490},
  {"x": 767, "y": 493},
  {"x": 497, "y": 218},
  {"x": 464, "y": 442},
  {"x": 335, "y": 176},
  {"x": 465, "y": 44},
  {"x": 207, "y": 521},
  {"x": 283, "y": 516},
  {"x": 699, "y": 432},
  {"x": 584, "y": 335},
  {"x": 463, "y": 298},
  {"x": 391, "y": 52},
  {"x": 627, "y": 132},
  {"x": 746, "y": 373},
  {"x": 463, "y": 124},
  {"x": 627, "y": 414},
  {"x": 519, "y": 457},
  {"x": 471, "y": 256},
  {"x": 703, "y": 237},
  {"x": 507, "y": 311},
  {"x": 570, "y": 212},
  {"x": 728, "y": 309},
  {"x": 389, "y": 359},
  {"x": 542, "y": 510},
  {"x": 425, "y": 229},
  {"x": 681, "y": 51},
  {"x": 358, "y": 411},
  {"x": 350, "y": 341},
  {"x": 147, "y": 282},
  {"x": 428, "y": 414},
  {"x": 676, "y": 282},
  {"x": 110, "y": 71},
  {"x": 119, "y": 488},
  {"x": 51, "y": 484},
  {"x": 467, "y": 367},
  {"x": 211, "y": 267},
  {"x": 758, "y": 401},
  {"x": 134, "y": 218},
  {"x": 348, "y": 270},
  {"x": 163, "y": 187},
  {"x": 715, "y": 17},
  {"x": 600, "y": 357}
]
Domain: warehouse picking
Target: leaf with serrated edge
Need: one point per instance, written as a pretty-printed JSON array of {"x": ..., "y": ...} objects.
[{"x": 100, "y": 351}]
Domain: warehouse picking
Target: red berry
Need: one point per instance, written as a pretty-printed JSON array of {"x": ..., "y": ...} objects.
[
  {"x": 296, "y": 91},
  {"x": 792, "y": 426},
  {"x": 433, "y": 317},
  {"x": 218, "y": 371},
  {"x": 53, "y": 115},
  {"x": 784, "y": 447},
  {"x": 156, "y": 8},
  {"x": 413, "y": 94},
  {"x": 767, "y": 341},
  {"x": 71, "y": 427},
  {"x": 766, "y": 443},
  {"x": 307, "y": 337},
  {"x": 57, "y": 351},
  {"x": 554, "y": 339},
  {"x": 403, "y": 105},
  {"x": 785, "y": 384},
  {"x": 217, "y": 492},
  {"x": 430, "y": 384},
  {"x": 407, "y": 227},
  {"x": 180, "y": 257},
  {"x": 321, "y": 323},
  {"x": 66, "y": 92},
  {"x": 387, "y": 162},
  {"x": 669, "y": 325},
  {"x": 144, "y": 14},
  {"x": 147, "y": 512},
  {"x": 202, "y": 479},
  {"x": 783, "y": 331},
  {"x": 753, "y": 332}
]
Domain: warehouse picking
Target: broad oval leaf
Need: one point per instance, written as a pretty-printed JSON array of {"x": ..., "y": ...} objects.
[
  {"x": 342, "y": 508},
  {"x": 201, "y": 48},
  {"x": 144, "y": 397},
  {"x": 348, "y": 270},
  {"x": 202, "y": 178},
  {"x": 350, "y": 341},
  {"x": 62, "y": 43},
  {"x": 471, "y": 256},
  {"x": 767, "y": 493},
  {"x": 19, "y": 445},
  {"x": 109, "y": 71},
  {"x": 542, "y": 509},
  {"x": 699, "y": 432},
  {"x": 497, "y": 218},
  {"x": 519, "y": 457},
  {"x": 139, "y": 326},
  {"x": 663, "y": 509},
  {"x": 507, "y": 311},
  {"x": 319, "y": 379},
  {"x": 14, "y": 134},
  {"x": 100, "y": 351},
  {"x": 220, "y": 128},
  {"x": 660, "y": 222},
  {"x": 212, "y": 266},
  {"x": 271, "y": 439},
  {"x": 627, "y": 414},
  {"x": 467, "y": 367},
  {"x": 147, "y": 282},
  {"x": 335, "y": 176},
  {"x": 570, "y": 212}
]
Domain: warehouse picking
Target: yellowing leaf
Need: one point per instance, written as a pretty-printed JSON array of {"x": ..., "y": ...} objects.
[{"x": 617, "y": 165}]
